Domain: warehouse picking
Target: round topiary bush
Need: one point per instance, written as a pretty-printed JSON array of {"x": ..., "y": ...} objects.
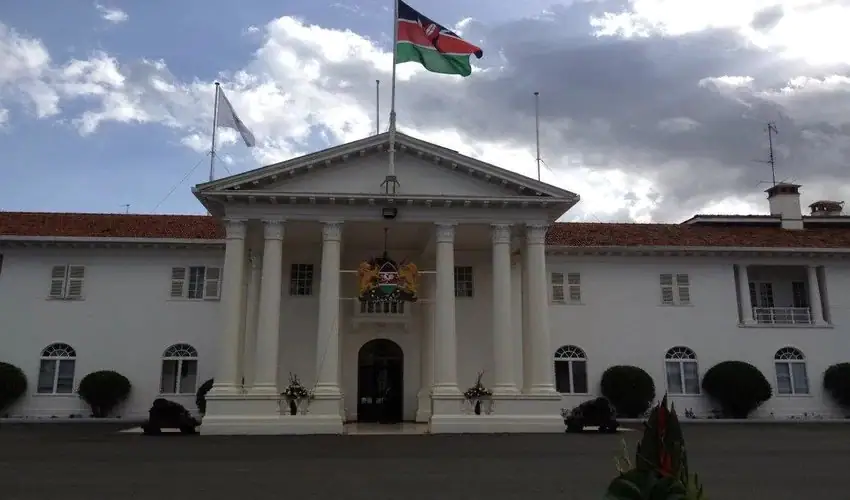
[
  {"x": 13, "y": 385},
  {"x": 201, "y": 396},
  {"x": 630, "y": 389},
  {"x": 103, "y": 391},
  {"x": 738, "y": 387},
  {"x": 836, "y": 381}
]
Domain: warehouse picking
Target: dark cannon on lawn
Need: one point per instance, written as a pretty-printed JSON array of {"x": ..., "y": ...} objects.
[
  {"x": 597, "y": 412},
  {"x": 165, "y": 414}
]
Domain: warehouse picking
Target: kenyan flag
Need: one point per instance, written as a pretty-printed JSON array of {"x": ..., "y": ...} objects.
[{"x": 430, "y": 44}]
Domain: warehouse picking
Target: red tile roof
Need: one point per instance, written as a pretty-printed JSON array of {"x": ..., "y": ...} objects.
[
  {"x": 110, "y": 225},
  {"x": 578, "y": 234}
]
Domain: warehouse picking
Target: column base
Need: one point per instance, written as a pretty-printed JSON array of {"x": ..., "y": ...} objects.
[
  {"x": 505, "y": 390},
  {"x": 224, "y": 390},
  {"x": 544, "y": 390},
  {"x": 423, "y": 407},
  {"x": 264, "y": 390},
  {"x": 271, "y": 425},
  {"x": 445, "y": 390},
  {"x": 519, "y": 413}
]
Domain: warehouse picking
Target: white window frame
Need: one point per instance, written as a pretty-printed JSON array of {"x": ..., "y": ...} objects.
[
  {"x": 464, "y": 282},
  {"x": 790, "y": 356},
  {"x": 565, "y": 288},
  {"x": 57, "y": 353},
  {"x": 182, "y": 353},
  {"x": 678, "y": 286},
  {"x": 67, "y": 282},
  {"x": 297, "y": 279},
  {"x": 679, "y": 356},
  {"x": 184, "y": 277},
  {"x": 570, "y": 354}
]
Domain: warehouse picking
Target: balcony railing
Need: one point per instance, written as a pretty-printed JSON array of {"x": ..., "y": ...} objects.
[
  {"x": 782, "y": 315},
  {"x": 391, "y": 308},
  {"x": 381, "y": 313}
]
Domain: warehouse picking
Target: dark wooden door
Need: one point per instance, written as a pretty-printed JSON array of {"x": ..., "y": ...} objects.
[{"x": 380, "y": 382}]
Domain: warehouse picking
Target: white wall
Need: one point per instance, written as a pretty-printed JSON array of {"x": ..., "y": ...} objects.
[
  {"x": 622, "y": 321},
  {"x": 127, "y": 320}
]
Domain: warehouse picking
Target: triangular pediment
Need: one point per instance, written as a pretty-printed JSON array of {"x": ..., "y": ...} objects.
[{"x": 360, "y": 167}]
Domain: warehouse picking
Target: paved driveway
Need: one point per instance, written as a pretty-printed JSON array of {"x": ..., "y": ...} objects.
[{"x": 94, "y": 462}]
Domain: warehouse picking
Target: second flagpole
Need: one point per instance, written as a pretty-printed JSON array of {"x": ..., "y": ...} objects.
[{"x": 214, "y": 128}]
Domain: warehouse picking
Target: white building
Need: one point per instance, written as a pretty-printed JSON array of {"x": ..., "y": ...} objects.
[{"x": 267, "y": 286}]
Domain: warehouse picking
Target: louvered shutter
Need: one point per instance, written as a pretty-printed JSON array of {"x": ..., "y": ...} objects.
[
  {"x": 57, "y": 281},
  {"x": 212, "y": 283},
  {"x": 178, "y": 281}
]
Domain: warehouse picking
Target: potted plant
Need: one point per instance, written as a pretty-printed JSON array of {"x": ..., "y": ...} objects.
[
  {"x": 295, "y": 394},
  {"x": 477, "y": 393}
]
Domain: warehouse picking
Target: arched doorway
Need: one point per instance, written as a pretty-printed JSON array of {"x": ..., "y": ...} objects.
[{"x": 380, "y": 382}]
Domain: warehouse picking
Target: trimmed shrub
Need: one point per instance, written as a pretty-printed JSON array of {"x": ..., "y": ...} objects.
[
  {"x": 201, "y": 396},
  {"x": 836, "y": 382},
  {"x": 630, "y": 389},
  {"x": 737, "y": 386},
  {"x": 104, "y": 390},
  {"x": 13, "y": 385}
]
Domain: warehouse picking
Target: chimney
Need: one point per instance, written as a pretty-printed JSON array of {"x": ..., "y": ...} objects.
[
  {"x": 826, "y": 208},
  {"x": 784, "y": 200}
]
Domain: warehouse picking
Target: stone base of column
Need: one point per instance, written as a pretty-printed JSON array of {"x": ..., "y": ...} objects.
[
  {"x": 505, "y": 390},
  {"x": 224, "y": 390},
  {"x": 423, "y": 408},
  {"x": 271, "y": 425},
  {"x": 446, "y": 391},
  {"x": 509, "y": 414},
  {"x": 264, "y": 390},
  {"x": 544, "y": 390}
]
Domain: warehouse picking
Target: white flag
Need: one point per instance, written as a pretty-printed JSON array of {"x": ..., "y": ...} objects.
[{"x": 227, "y": 118}]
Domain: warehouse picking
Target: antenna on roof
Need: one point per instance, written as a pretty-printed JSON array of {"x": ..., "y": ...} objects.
[
  {"x": 537, "y": 129},
  {"x": 771, "y": 159}
]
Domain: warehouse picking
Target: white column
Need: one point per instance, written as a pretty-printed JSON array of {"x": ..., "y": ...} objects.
[
  {"x": 504, "y": 378},
  {"x": 251, "y": 318},
  {"x": 426, "y": 346},
  {"x": 744, "y": 293},
  {"x": 542, "y": 371},
  {"x": 516, "y": 317},
  {"x": 227, "y": 379},
  {"x": 527, "y": 342},
  {"x": 268, "y": 323},
  {"x": 814, "y": 296},
  {"x": 327, "y": 348},
  {"x": 445, "y": 340}
]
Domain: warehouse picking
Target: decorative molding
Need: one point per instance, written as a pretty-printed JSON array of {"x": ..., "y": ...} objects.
[
  {"x": 236, "y": 229},
  {"x": 331, "y": 230},
  {"x": 535, "y": 233},
  {"x": 273, "y": 229},
  {"x": 445, "y": 232},
  {"x": 500, "y": 233}
]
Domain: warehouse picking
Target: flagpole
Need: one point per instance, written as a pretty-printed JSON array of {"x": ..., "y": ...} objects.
[
  {"x": 390, "y": 183},
  {"x": 215, "y": 123},
  {"x": 537, "y": 129},
  {"x": 377, "y": 107}
]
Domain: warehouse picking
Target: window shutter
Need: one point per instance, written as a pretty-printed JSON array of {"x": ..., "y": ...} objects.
[
  {"x": 76, "y": 275},
  {"x": 667, "y": 289},
  {"x": 212, "y": 283},
  {"x": 178, "y": 281},
  {"x": 558, "y": 288},
  {"x": 683, "y": 282},
  {"x": 574, "y": 281},
  {"x": 57, "y": 282}
]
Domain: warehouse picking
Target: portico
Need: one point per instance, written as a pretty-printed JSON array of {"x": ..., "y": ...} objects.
[{"x": 295, "y": 235}]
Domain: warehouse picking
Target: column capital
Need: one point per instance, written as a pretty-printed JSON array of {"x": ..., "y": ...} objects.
[
  {"x": 445, "y": 232},
  {"x": 235, "y": 228},
  {"x": 500, "y": 233},
  {"x": 273, "y": 229},
  {"x": 535, "y": 233},
  {"x": 331, "y": 230}
]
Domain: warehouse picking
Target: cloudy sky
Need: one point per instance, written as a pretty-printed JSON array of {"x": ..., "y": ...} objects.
[{"x": 651, "y": 110}]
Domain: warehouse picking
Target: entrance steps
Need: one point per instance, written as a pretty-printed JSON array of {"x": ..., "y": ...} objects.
[{"x": 371, "y": 429}]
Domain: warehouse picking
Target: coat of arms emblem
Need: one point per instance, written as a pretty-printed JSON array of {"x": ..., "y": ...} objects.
[{"x": 383, "y": 280}]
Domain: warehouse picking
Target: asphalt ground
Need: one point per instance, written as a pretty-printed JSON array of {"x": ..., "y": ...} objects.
[{"x": 94, "y": 461}]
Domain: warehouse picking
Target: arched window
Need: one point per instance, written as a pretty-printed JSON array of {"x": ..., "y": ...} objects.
[
  {"x": 179, "y": 370},
  {"x": 56, "y": 369},
  {"x": 680, "y": 364},
  {"x": 571, "y": 370},
  {"x": 791, "y": 376}
]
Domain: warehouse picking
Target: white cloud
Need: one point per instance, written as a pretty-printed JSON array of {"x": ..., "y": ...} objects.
[{"x": 112, "y": 14}]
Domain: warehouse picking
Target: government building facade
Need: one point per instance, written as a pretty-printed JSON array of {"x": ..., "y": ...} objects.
[{"x": 389, "y": 306}]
